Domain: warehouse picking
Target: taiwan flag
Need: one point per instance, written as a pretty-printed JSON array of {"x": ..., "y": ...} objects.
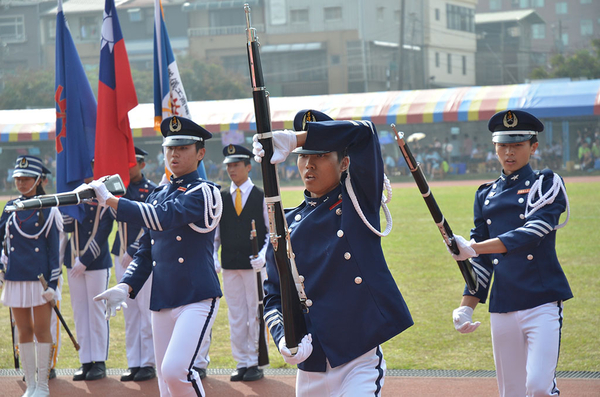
[
  {"x": 75, "y": 116},
  {"x": 169, "y": 95},
  {"x": 114, "y": 153}
]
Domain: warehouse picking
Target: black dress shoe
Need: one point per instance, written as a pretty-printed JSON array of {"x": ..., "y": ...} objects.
[
  {"x": 52, "y": 374},
  {"x": 201, "y": 372},
  {"x": 82, "y": 371},
  {"x": 128, "y": 375},
  {"x": 238, "y": 374},
  {"x": 253, "y": 373},
  {"x": 145, "y": 373},
  {"x": 98, "y": 371}
]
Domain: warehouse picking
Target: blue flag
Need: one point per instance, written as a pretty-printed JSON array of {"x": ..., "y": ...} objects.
[{"x": 75, "y": 116}]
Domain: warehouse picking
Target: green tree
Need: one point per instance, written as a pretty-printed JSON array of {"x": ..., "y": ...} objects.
[
  {"x": 27, "y": 89},
  {"x": 209, "y": 81},
  {"x": 583, "y": 63}
]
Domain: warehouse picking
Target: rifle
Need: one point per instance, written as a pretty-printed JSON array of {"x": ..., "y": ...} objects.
[
  {"x": 465, "y": 266},
  {"x": 263, "y": 351},
  {"x": 292, "y": 291}
]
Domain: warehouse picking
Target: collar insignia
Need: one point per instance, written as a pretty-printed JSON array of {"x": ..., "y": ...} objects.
[
  {"x": 510, "y": 120},
  {"x": 312, "y": 203},
  {"x": 178, "y": 180},
  {"x": 514, "y": 178}
]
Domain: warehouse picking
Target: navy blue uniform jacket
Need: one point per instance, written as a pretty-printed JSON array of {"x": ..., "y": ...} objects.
[{"x": 356, "y": 304}]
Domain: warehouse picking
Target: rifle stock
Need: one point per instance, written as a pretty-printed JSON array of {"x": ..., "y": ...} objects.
[{"x": 291, "y": 306}]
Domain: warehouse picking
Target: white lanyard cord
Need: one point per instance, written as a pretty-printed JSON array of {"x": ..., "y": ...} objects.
[
  {"x": 384, "y": 201},
  {"x": 213, "y": 207},
  {"x": 546, "y": 198}
]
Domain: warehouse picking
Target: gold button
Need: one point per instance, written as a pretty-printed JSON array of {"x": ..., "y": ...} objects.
[
  {"x": 180, "y": 260},
  {"x": 12, "y": 248},
  {"x": 37, "y": 249},
  {"x": 152, "y": 241},
  {"x": 522, "y": 216},
  {"x": 178, "y": 238},
  {"x": 527, "y": 183},
  {"x": 495, "y": 261},
  {"x": 521, "y": 200},
  {"x": 347, "y": 256},
  {"x": 340, "y": 196},
  {"x": 11, "y": 236},
  {"x": 153, "y": 263},
  {"x": 154, "y": 202},
  {"x": 489, "y": 221},
  {"x": 297, "y": 217},
  {"x": 308, "y": 303},
  {"x": 338, "y": 211},
  {"x": 487, "y": 202},
  {"x": 340, "y": 233},
  {"x": 37, "y": 224},
  {"x": 301, "y": 278},
  {"x": 530, "y": 257},
  {"x": 358, "y": 280}
]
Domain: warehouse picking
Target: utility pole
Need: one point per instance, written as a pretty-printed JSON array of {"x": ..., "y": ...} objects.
[{"x": 401, "y": 47}]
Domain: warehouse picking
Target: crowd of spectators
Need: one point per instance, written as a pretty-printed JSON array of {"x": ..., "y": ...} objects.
[{"x": 588, "y": 149}]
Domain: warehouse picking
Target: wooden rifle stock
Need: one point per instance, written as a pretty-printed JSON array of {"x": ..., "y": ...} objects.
[
  {"x": 291, "y": 307},
  {"x": 465, "y": 267},
  {"x": 263, "y": 351}
]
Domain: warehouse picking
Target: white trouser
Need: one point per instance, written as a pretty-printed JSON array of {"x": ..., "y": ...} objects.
[
  {"x": 90, "y": 324},
  {"x": 138, "y": 323},
  {"x": 363, "y": 376},
  {"x": 178, "y": 334},
  {"x": 526, "y": 346},
  {"x": 240, "y": 288}
]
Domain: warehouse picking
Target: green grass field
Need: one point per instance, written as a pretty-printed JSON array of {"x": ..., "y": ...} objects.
[{"x": 432, "y": 286}]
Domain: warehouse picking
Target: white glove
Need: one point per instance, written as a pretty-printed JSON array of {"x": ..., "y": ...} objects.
[
  {"x": 463, "y": 321},
  {"x": 4, "y": 258},
  {"x": 217, "y": 266},
  {"x": 284, "y": 142},
  {"x": 102, "y": 193},
  {"x": 126, "y": 260},
  {"x": 48, "y": 294},
  {"x": 258, "y": 262},
  {"x": 305, "y": 348},
  {"x": 115, "y": 299},
  {"x": 465, "y": 249},
  {"x": 77, "y": 269},
  {"x": 1, "y": 279}
]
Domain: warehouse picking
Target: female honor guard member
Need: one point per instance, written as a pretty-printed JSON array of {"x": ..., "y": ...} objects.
[
  {"x": 138, "y": 326},
  {"x": 516, "y": 218},
  {"x": 242, "y": 203},
  {"x": 178, "y": 250},
  {"x": 353, "y": 301},
  {"x": 32, "y": 247},
  {"x": 87, "y": 258}
]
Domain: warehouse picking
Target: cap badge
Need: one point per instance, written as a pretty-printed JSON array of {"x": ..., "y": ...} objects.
[
  {"x": 23, "y": 163},
  {"x": 308, "y": 116},
  {"x": 510, "y": 120},
  {"x": 175, "y": 125},
  {"x": 230, "y": 149}
]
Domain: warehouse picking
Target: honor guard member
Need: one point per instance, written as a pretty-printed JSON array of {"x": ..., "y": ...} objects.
[
  {"x": 338, "y": 254},
  {"x": 242, "y": 203},
  {"x": 138, "y": 326},
  {"x": 514, "y": 240},
  {"x": 177, "y": 249},
  {"x": 88, "y": 262},
  {"x": 31, "y": 247}
]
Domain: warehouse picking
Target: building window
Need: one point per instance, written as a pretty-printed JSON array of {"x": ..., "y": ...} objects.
[
  {"x": 437, "y": 14},
  {"x": 380, "y": 13},
  {"x": 226, "y": 17},
  {"x": 449, "y": 63},
  {"x": 437, "y": 59},
  {"x": 135, "y": 14},
  {"x": 460, "y": 18},
  {"x": 89, "y": 28},
  {"x": 299, "y": 16},
  {"x": 12, "y": 28},
  {"x": 495, "y": 5},
  {"x": 464, "y": 65},
  {"x": 587, "y": 27},
  {"x": 524, "y": 3},
  {"x": 538, "y": 31},
  {"x": 565, "y": 39},
  {"x": 333, "y": 13},
  {"x": 52, "y": 28},
  {"x": 561, "y": 7},
  {"x": 538, "y": 3}
]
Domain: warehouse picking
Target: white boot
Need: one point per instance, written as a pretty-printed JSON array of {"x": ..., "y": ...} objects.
[
  {"x": 27, "y": 354},
  {"x": 44, "y": 363}
]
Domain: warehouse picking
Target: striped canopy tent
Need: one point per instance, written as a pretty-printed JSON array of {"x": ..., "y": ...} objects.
[{"x": 560, "y": 99}]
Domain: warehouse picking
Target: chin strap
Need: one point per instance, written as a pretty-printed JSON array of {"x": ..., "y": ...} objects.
[
  {"x": 384, "y": 200},
  {"x": 546, "y": 198}
]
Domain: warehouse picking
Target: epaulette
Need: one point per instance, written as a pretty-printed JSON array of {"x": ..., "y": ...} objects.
[
  {"x": 486, "y": 184},
  {"x": 547, "y": 172}
]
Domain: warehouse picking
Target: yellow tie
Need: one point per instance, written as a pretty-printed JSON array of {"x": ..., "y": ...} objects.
[{"x": 238, "y": 201}]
